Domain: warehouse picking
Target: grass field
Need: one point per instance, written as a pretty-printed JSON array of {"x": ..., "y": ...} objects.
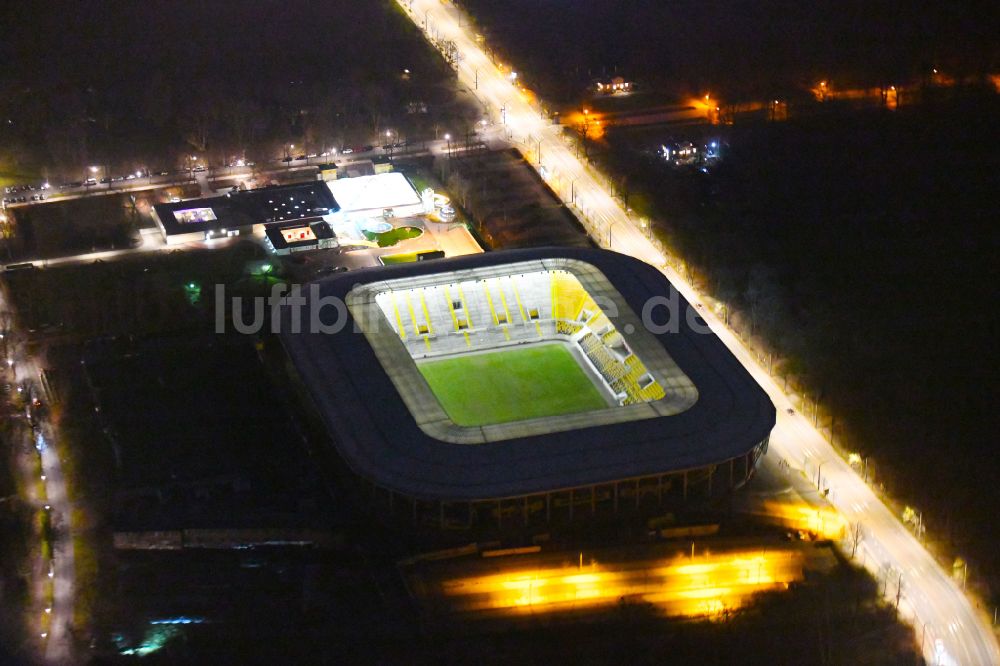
[
  {"x": 390, "y": 238},
  {"x": 403, "y": 258},
  {"x": 511, "y": 385}
]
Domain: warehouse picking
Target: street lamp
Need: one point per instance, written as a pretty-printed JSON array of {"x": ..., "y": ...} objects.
[
  {"x": 447, "y": 138},
  {"x": 610, "y": 226},
  {"x": 644, "y": 225},
  {"x": 388, "y": 143},
  {"x": 819, "y": 473}
]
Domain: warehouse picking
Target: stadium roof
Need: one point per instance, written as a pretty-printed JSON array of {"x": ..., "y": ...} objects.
[{"x": 375, "y": 433}]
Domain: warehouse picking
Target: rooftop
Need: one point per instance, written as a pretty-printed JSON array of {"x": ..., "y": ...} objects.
[
  {"x": 297, "y": 234},
  {"x": 279, "y": 203},
  {"x": 374, "y": 193},
  {"x": 711, "y": 410}
]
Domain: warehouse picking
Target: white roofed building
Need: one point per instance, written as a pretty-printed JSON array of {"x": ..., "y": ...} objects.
[{"x": 367, "y": 197}]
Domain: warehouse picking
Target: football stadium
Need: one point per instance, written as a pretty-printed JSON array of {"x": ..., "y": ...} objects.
[{"x": 524, "y": 386}]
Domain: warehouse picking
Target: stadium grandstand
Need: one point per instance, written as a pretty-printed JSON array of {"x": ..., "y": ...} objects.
[{"x": 526, "y": 382}]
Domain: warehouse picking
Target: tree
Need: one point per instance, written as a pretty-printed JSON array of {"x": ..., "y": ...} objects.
[
  {"x": 854, "y": 534},
  {"x": 762, "y": 295},
  {"x": 246, "y": 120}
]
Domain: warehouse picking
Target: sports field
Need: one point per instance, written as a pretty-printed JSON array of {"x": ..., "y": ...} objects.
[{"x": 511, "y": 385}]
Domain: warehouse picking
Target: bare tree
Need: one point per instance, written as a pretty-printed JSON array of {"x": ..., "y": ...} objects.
[{"x": 855, "y": 534}]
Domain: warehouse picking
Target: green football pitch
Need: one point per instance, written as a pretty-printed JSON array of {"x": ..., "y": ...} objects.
[{"x": 511, "y": 385}]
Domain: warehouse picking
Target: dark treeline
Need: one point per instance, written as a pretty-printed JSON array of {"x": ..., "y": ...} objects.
[
  {"x": 739, "y": 49},
  {"x": 829, "y": 620},
  {"x": 132, "y": 85},
  {"x": 861, "y": 248}
]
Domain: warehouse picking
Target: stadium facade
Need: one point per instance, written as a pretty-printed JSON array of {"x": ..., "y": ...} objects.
[{"x": 526, "y": 386}]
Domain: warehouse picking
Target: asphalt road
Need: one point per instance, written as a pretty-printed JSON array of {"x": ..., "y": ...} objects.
[
  {"x": 951, "y": 631},
  {"x": 59, "y": 640},
  {"x": 56, "y": 641},
  {"x": 191, "y": 177}
]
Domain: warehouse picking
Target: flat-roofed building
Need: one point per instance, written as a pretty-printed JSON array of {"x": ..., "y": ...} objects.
[
  {"x": 246, "y": 212},
  {"x": 284, "y": 239},
  {"x": 366, "y": 197}
]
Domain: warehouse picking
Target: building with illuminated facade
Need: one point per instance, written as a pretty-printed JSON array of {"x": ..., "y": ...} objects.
[{"x": 526, "y": 386}]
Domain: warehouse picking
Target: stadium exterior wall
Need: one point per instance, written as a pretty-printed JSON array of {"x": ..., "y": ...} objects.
[
  {"x": 710, "y": 449},
  {"x": 646, "y": 493}
]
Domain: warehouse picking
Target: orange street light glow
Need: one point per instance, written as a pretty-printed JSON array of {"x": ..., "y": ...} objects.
[
  {"x": 826, "y": 523},
  {"x": 705, "y": 585}
]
